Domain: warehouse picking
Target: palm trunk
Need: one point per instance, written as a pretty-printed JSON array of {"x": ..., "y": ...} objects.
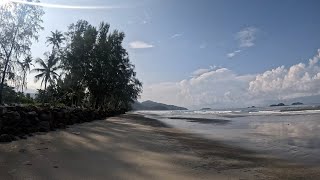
[
  {"x": 2, "y": 80},
  {"x": 23, "y": 81}
]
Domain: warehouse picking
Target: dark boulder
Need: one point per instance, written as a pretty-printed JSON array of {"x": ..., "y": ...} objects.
[
  {"x": 3, "y": 110},
  {"x": 44, "y": 126},
  {"x": 6, "y": 138},
  {"x": 61, "y": 126},
  {"x": 32, "y": 114},
  {"x": 45, "y": 116},
  {"x": 11, "y": 118}
]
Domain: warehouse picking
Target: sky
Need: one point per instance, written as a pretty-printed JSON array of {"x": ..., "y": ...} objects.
[{"x": 204, "y": 53}]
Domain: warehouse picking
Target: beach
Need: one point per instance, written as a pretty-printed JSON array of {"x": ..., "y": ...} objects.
[{"x": 131, "y": 146}]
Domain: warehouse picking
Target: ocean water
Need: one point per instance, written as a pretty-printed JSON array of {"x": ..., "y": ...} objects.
[{"x": 292, "y": 135}]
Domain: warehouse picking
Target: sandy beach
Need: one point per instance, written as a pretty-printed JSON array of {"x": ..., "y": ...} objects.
[{"x": 134, "y": 147}]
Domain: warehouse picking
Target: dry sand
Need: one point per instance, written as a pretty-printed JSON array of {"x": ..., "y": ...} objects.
[{"x": 134, "y": 147}]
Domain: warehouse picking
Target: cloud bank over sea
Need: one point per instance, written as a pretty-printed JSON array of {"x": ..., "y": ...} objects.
[{"x": 220, "y": 87}]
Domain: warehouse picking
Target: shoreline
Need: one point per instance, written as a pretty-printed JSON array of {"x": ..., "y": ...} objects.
[
  {"x": 131, "y": 146},
  {"x": 226, "y": 158}
]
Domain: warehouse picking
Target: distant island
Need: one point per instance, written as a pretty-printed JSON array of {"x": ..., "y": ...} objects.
[
  {"x": 280, "y": 104},
  {"x": 151, "y": 105},
  {"x": 297, "y": 103},
  {"x": 205, "y": 109}
]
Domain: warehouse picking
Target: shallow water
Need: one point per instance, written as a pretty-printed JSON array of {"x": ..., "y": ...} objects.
[{"x": 293, "y": 135}]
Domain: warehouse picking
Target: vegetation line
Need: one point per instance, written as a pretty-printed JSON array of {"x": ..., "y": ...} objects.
[{"x": 86, "y": 67}]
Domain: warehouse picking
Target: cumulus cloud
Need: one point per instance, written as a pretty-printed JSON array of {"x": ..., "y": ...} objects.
[
  {"x": 210, "y": 87},
  {"x": 221, "y": 87},
  {"x": 199, "y": 72},
  {"x": 140, "y": 45},
  {"x": 296, "y": 81}
]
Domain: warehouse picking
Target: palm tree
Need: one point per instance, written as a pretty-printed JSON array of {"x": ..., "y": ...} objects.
[
  {"x": 55, "y": 39},
  {"x": 25, "y": 66},
  {"x": 47, "y": 70}
]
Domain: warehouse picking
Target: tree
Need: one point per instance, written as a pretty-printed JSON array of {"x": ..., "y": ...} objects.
[
  {"x": 19, "y": 25},
  {"x": 47, "y": 71},
  {"x": 11, "y": 96},
  {"x": 96, "y": 60},
  {"x": 25, "y": 67},
  {"x": 56, "y": 39}
]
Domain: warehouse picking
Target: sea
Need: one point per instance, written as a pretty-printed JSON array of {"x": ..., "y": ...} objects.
[{"x": 289, "y": 132}]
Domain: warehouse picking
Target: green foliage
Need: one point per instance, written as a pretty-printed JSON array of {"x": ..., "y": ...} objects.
[
  {"x": 96, "y": 61},
  {"x": 25, "y": 68},
  {"x": 47, "y": 71},
  {"x": 19, "y": 25},
  {"x": 56, "y": 39},
  {"x": 11, "y": 96},
  {"x": 96, "y": 70}
]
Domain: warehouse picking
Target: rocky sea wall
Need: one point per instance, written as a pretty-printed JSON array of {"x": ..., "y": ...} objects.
[{"x": 19, "y": 122}]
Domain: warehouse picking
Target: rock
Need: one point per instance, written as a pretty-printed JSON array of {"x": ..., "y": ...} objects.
[
  {"x": 11, "y": 118},
  {"x": 34, "y": 120},
  {"x": 22, "y": 137},
  {"x": 9, "y": 130},
  {"x": 61, "y": 126},
  {"x": 45, "y": 117},
  {"x": 32, "y": 114},
  {"x": 44, "y": 126},
  {"x": 3, "y": 110},
  {"x": 6, "y": 138},
  {"x": 59, "y": 115},
  {"x": 16, "y": 116}
]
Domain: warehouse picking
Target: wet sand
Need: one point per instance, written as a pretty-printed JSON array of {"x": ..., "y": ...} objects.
[
  {"x": 134, "y": 147},
  {"x": 203, "y": 120}
]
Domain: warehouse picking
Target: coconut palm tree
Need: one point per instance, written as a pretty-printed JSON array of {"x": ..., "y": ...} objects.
[
  {"x": 47, "y": 70},
  {"x": 55, "y": 40},
  {"x": 25, "y": 66}
]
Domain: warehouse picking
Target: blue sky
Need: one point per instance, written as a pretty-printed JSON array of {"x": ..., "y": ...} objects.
[{"x": 168, "y": 40}]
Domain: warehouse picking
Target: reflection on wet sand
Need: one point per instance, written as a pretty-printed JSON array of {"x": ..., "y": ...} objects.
[
  {"x": 204, "y": 120},
  {"x": 289, "y": 135},
  {"x": 301, "y": 134}
]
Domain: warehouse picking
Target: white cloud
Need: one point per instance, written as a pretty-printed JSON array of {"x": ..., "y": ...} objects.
[
  {"x": 284, "y": 83},
  {"x": 232, "y": 54},
  {"x": 176, "y": 35},
  {"x": 212, "y": 88},
  {"x": 140, "y": 45},
  {"x": 222, "y": 87},
  {"x": 246, "y": 36},
  {"x": 199, "y": 72}
]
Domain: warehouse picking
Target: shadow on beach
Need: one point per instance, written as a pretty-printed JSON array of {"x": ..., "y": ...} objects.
[{"x": 135, "y": 147}]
